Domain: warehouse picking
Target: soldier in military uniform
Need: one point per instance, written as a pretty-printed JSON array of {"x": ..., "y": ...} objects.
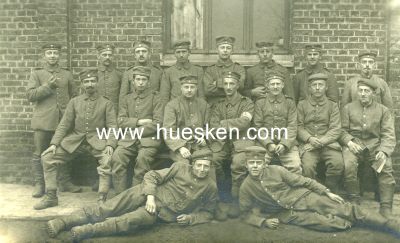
[
  {"x": 109, "y": 76},
  {"x": 77, "y": 134},
  {"x": 213, "y": 84},
  {"x": 277, "y": 111},
  {"x": 143, "y": 58},
  {"x": 233, "y": 112},
  {"x": 185, "y": 112},
  {"x": 319, "y": 129},
  {"x": 143, "y": 110},
  {"x": 255, "y": 76},
  {"x": 184, "y": 194},
  {"x": 170, "y": 84},
  {"x": 369, "y": 136},
  {"x": 50, "y": 88},
  {"x": 313, "y": 56},
  {"x": 271, "y": 195},
  {"x": 367, "y": 64}
]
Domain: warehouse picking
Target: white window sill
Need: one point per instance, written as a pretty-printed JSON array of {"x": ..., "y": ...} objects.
[{"x": 286, "y": 60}]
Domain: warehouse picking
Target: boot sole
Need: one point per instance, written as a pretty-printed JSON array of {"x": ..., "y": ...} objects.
[
  {"x": 50, "y": 230},
  {"x": 47, "y": 206}
]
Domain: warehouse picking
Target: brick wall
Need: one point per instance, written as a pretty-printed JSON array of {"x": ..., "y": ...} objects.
[{"x": 343, "y": 27}]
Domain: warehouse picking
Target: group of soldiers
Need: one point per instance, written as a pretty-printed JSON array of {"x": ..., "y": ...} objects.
[{"x": 359, "y": 129}]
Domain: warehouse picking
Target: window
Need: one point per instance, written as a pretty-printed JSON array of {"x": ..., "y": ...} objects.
[{"x": 249, "y": 21}]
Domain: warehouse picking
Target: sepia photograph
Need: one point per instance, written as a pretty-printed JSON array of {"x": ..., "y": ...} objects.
[{"x": 199, "y": 121}]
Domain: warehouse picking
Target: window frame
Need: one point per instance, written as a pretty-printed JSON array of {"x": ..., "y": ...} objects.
[{"x": 209, "y": 43}]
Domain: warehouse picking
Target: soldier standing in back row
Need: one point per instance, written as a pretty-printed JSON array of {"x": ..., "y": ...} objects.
[
  {"x": 213, "y": 83},
  {"x": 255, "y": 76},
  {"x": 142, "y": 55},
  {"x": 313, "y": 55},
  {"x": 50, "y": 88},
  {"x": 109, "y": 76},
  {"x": 170, "y": 87},
  {"x": 367, "y": 64}
]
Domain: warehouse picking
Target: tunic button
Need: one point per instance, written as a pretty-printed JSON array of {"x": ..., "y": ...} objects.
[
  {"x": 278, "y": 201},
  {"x": 364, "y": 125}
]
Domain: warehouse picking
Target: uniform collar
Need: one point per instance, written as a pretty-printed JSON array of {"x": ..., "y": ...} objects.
[
  {"x": 269, "y": 64},
  {"x": 103, "y": 68},
  {"x": 313, "y": 102},
  {"x": 369, "y": 105},
  {"x": 148, "y": 64},
  {"x": 277, "y": 99},
  {"x": 184, "y": 99},
  {"x": 52, "y": 69},
  {"x": 93, "y": 97},
  {"x": 368, "y": 77},
  {"x": 221, "y": 63},
  {"x": 234, "y": 100},
  {"x": 142, "y": 95},
  {"x": 316, "y": 69},
  {"x": 185, "y": 65}
]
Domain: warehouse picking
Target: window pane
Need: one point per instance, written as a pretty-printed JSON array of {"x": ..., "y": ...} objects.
[
  {"x": 227, "y": 19},
  {"x": 268, "y": 20},
  {"x": 187, "y": 21}
]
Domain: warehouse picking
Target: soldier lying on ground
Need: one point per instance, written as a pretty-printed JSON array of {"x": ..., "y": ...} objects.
[
  {"x": 293, "y": 199},
  {"x": 182, "y": 193}
]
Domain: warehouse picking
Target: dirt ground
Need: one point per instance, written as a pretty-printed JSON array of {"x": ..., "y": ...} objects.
[{"x": 228, "y": 231}]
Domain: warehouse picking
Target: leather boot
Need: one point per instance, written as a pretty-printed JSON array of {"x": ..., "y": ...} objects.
[
  {"x": 234, "y": 210},
  {"x": 353, "y": 191},
  {"x": 105, "y": 228},
  {"x": 386, "y": 193},
  {"x": 37, "y": 171},
  {"x": 55, "y": 226},
  {"x": 332, "y": 182},
  {"x": 49, "y": 200},
  {"x": 119, "y": 183},
  {"x": 64, "y": 178}
]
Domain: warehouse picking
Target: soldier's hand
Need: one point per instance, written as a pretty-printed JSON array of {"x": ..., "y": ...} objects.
[
  {"x": 258, "y": 92},
  {"x": 185, "y": 152},
  {"x": 151, "y": 204},
  {"x": 142, "y": 122},
  {"x": 335, "y": 197},
  {"x": 51, "y": 149},
  {"x": 354, "y": 148},
  {"x": 200, "y": 141},
  {"x": 271, "y": 223},
  {"x": 184, "y": 219},
  {"x": 315, "y": 142},
  {"x": 52, "y": 82},
  {"x": 279, "y": 149},
  {"x": 109, "y": 150},
  {"x": 271, "y": 147},
  {"x": 380, "y": 156},
  {"x": 308, "y": 147}
]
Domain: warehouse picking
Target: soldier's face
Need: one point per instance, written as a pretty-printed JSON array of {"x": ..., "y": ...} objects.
[
  {"x": 142, "y": 54},
  {"x": 255, "y": 167},
  {"x": 230, "y": 86},
  {"x": 105, "y": 57},
  {"x": 189, "y": 90},
  {"x": 366, "y": 65},
  {"x": 318, "y": 88},
  {"x": 365, "y": 94},
  {"x": 201, "y": 168},
  {"x": 182, "y": 55},
  {"x": 265, "y": 54},
  {"x": 224, "y": 51},
  {"x": 140, "y": 82},
  {"x": 313, "y": 58},
  {"x": 51, "y": 57},
  {"x": 275, "y": 86},
  {"x": 90, "y": 84}
]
